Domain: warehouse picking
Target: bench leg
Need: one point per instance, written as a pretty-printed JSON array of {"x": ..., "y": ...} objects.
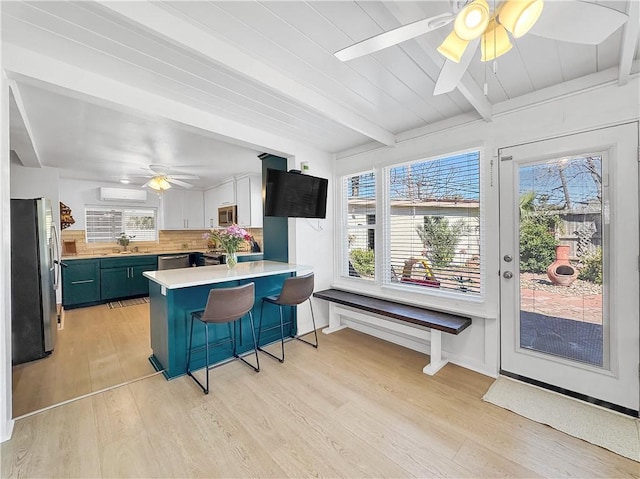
[
  {"x": 334, "y": 321},
  {"x": 437, "y": 363}
]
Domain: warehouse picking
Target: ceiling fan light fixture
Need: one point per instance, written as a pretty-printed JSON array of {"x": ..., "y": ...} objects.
[
  {"x": 472, "y": 20},
  {"x": 159, "y": 183},
  {"x": 453, "y": 47},
  {"x": 518, "y": 16},
  {"x": 495, "y": 42}
]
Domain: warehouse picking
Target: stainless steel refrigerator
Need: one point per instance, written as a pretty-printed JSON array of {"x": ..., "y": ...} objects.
[{"x": 34, "y": 274}]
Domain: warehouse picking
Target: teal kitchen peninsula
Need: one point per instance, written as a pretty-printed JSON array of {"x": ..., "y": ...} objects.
[{"x": 175, "y": 293}]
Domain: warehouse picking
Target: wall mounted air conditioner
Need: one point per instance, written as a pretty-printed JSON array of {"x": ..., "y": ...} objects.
[{"x": 123, "y": 194}]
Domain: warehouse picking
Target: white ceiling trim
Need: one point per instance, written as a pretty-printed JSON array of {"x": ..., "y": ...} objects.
[
  {"x": 562, "y": 90},
  {"x": 25, "y": 149},
  {"x": 628, "y": 42},
  {"x": 23, "y": 64},
  {"x": 184, "y": 33},
  {"x": 406, "y": 12}
]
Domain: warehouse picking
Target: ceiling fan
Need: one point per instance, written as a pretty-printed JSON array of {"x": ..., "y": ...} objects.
[
  {"x": 160, "y": 179},
  {"x": 476, "y": 24}
]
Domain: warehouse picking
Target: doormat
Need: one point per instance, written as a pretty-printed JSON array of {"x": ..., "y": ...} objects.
[
  {"x": 591, "y": 423},
  {"x": 127, "y": 302}
]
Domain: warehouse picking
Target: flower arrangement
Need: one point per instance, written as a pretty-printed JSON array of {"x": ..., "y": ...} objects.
[
  {"x": 230, "y": 239},
  {"x": 124, "y": 240}
]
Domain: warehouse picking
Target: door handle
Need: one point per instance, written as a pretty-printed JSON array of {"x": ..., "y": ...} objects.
[{"x": 507, "y": 275}]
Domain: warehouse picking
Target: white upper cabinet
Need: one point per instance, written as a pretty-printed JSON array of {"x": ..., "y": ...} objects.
[
  {"x": 182, "y": 209},
  {"x": 226, "y": 193},
  {"x": 211, "y": 208},
  {"x": 249, "y": 201}
]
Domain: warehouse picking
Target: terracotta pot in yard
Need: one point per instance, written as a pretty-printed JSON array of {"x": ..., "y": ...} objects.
[{"x": 561, "y": 272}]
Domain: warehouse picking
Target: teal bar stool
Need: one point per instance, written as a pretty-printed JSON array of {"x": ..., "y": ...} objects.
[
  {"x": 224, "y": 305},
  {"x": 295, "y": 290}
]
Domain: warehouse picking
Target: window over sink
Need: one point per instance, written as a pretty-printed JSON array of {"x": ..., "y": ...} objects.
[{"x": 106, "y": 224}]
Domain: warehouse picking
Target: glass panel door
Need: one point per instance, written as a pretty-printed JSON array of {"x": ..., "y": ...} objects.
[
  {"x": 569, "y": 239},
  {"x": 562, "y": 234}
]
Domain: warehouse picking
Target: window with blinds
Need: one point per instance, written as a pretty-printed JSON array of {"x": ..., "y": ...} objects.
[
  {"x": 105, "y": 225},
  {"x": 433, "y": 224},
  {"x": 359, "y": 192}
]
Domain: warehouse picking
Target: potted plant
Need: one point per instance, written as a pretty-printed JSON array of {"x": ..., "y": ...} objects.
[{"x": 124, "y": 240}]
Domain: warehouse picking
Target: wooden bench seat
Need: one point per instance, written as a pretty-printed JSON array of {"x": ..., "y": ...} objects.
[{"x": 436, "y": 321}]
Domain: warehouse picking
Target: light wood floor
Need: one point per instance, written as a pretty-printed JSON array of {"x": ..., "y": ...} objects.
[
  {"x": 356, "y": 407},
  {"x": 98, "y": 347}
]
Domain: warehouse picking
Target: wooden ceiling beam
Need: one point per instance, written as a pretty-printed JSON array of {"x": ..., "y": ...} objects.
[
  {"x": 22, "y": 141},
  {"x": 407, "y": 12},
  {"x": 628, "y": 42},
  {"x": 179, "y": 31}
]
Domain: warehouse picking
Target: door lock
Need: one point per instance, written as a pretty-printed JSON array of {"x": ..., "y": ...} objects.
[{"x": 507, "y": 274}]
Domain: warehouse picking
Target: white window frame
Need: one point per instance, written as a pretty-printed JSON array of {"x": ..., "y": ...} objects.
[
  {"x": 344, "y": 242},
  {"x": 385, "y": 287},
  {"x": 123, "y": 210},
  {"x": 386, "y": 283}
]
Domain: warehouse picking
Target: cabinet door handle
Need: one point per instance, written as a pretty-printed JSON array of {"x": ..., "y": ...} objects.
[{"x": 84, "y": 281}]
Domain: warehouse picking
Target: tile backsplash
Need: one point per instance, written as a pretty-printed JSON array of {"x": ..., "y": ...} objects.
[{"x": 169, "y": 241}]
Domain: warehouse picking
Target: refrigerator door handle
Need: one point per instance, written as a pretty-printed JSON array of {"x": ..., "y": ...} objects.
[{"x": 55, "y": 263}]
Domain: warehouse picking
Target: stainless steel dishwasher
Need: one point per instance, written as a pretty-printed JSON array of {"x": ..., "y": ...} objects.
[{"x": 173, "y": 262}]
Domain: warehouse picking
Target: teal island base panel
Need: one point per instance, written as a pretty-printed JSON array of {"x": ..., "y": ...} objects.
[{"x": 171, "y": 318}]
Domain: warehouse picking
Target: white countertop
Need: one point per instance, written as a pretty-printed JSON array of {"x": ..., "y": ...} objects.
[
  {"x": 124, "y": 254},
  {"x": 187, "y": 277}
]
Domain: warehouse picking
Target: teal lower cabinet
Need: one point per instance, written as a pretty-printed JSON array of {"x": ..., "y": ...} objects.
[
  {"x": 243, "y": 258},
  {"x": 171, "y": 309},
  {"x": 122, "y": 277},
  {"x": 114, "y": 283},
  {"x": 81, "y": 282}
]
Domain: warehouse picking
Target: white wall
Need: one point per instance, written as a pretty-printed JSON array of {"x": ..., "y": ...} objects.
[
  {"x": 76, "y": 194},
  {"x": 478, "y": 347},
  {"x": 36, "y": 183},
  {"x": 311, "y": 240},
  {"x": 6, "y": 423}
]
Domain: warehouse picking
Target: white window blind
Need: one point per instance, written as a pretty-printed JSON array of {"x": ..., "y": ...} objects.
[
  {"x": 359, "y": 194},
  {"x": 433, "y": 224},
  {"x": 105, "y": 225}
]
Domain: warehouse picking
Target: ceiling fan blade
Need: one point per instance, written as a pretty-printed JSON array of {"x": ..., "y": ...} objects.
[
  {"x": 159, "y": 169},
  {"x": 146, "y": 184},
  {"x": 183, "y": 177},
  {"x": 452, "y": 72},
  {"x": 593, "y": 22},
  {"x": 178, "y": 182},
  {"x": 393, "y": 37}
]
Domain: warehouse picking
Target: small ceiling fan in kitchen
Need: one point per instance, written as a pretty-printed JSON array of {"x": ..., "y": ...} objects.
[
  {"x": 476, "y": 24},
  {"x": 161, "y": 178}
]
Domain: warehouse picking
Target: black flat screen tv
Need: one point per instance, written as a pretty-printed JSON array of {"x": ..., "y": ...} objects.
[{"x": 295, "y": 195}]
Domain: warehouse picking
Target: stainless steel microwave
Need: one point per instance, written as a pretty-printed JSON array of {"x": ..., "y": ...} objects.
[{"x": 227, "y": 215}]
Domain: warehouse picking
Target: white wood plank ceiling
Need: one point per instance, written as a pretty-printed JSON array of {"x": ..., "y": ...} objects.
[{"x": 270, "y": 65}]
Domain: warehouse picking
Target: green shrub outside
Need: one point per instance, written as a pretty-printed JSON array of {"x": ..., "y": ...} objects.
[
  {"x": 537, "y": 245},
  {"x": 363, "y": 261},
  {"x": 592, "y": 267},
  {"x": 440, "y": 238}
]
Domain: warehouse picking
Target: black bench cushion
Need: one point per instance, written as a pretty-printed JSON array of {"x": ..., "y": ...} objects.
[{"x": 447, "y": 322}]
